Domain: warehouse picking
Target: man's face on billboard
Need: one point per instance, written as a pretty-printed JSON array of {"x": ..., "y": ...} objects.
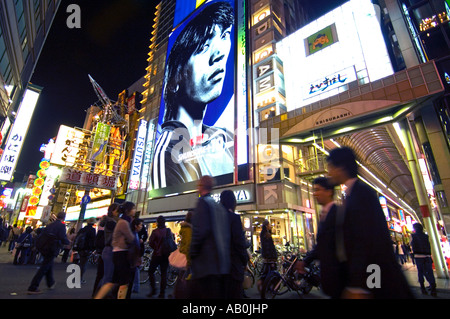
[{"x": 205, "y": 70}]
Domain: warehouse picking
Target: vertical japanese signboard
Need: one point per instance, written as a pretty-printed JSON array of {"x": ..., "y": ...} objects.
[
  {"x": 100, "y": 141},
  {"x": 67, "y": 146},
  {"x": 17, "y": 136}
]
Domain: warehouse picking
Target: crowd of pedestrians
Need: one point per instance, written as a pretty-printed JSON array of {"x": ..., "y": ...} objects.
[{"x": 351, "y": 236}]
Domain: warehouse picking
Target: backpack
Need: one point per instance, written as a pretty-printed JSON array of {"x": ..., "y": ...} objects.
[
  {"x": 168, "y": 245},
  {"x": 26, "y": 242},
  {"x": 80, "y": 242},
  {"x": 46, "y": 243}
]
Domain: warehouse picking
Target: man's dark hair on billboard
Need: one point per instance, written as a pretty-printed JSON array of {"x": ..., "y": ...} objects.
[{"x": 190, "y": 41}]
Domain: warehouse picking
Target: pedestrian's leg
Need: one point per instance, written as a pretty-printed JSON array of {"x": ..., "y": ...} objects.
[
  {"x": 131, "y": 284},
  {"x": 429, "y": 275},
  {"x": 99, "y": 276},
  {"x": 164, "y": 265},
  {"x": 420, "y": 274},
  {"x": 42, "y": 271},
  {"x": 151, "y": 275},
  {"x": 104, "y": 290},
  {"x": 49, "y": 274},
  {"x": 137, "y": 279},
  {"x": 83, "y": 261},
  {"x": 16, "y": 256}
]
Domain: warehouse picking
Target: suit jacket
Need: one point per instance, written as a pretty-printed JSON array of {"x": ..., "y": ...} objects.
[
  {"x": 210, "y": 243},
  {"x": 331, "y": 271},
  {"x": 239, "y": 255},
  {"x": 367, "y": 242}
]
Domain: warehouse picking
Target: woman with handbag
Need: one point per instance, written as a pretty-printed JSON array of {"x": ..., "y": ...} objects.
[
  {"x": 181, "y": 290},
  {"x": 122, "y": 238}
]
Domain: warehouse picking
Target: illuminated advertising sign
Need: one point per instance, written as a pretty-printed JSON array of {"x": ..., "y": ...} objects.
[
  {"x": 322, "y": 58},
  {"x": 135, "y": 174},
  {"x": 320, "y": 40},
  {"x": 148, "y": 154},
  {"x": 100, "y": 140},
  {"x": 184, "y": 8},
  {"x": 383, "y": 204},
  {"x": 194, "y": 135},
  {"x": 15, "y": 140},
  {"x": 67, "y": 146}
]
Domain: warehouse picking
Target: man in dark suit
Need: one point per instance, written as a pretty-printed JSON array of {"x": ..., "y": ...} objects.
[
  {"x": 367, "y": 265},
  {"x": 210, "y": 245},
  {"x": 239, "y": 255},
  {"x": 323, "y": 192}
]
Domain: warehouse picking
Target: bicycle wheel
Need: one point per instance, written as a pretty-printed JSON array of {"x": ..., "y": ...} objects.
[
  {"x": 172, "y": 275},
  {"x": 143, "y": 268},
  {"x": 273, "y": 286}
]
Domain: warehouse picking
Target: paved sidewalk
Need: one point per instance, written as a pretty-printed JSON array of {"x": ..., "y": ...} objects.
[{"x": 15, "y": 280}]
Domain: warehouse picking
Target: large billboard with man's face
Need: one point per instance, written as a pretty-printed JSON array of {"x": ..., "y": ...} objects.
[{"x": 195, "y": 131}]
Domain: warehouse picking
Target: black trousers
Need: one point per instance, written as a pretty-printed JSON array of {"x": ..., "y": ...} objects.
[{"x": 163, "y": 263}]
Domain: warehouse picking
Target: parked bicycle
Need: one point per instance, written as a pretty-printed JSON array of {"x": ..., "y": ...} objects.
[
  {"x": 277, "y": 284},
  {"x": 172, "y": 273}
]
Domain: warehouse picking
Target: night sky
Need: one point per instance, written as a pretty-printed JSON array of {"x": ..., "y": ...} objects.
[{"x": 111, "y": 46}]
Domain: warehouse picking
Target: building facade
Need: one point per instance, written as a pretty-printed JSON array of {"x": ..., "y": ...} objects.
[
  {"x": 365, "y": 75},
  {"x": 24, "y": 26}
]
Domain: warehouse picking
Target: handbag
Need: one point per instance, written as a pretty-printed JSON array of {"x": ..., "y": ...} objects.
[
  {"x": 168, "y": 245},
  {"x": 177, "y": 259}
]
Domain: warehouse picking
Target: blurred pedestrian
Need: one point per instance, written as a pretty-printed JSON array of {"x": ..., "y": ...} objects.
[
  {"x": 13, "y": 236},
  {"x": 135, "y": 253},
  {"x": 181, "y": 289},
  {"x": 143, "y": 236},
  {"x": 108, "y": 223},
  {"x": 362, "y": 237},
  {"x": 159, "y": 257},
  {"x": 56, "y": 234},
  {"x": 23, "y": 247},
  {"x": 186, "y": 236},
  {"x": 239, "y": 255},
  {"x": 210, "y": 245},
  {"x": 401, "y": 253},
  {"x": 421, "y": 249},
  {"x": 99, "y": 246},
  {"x": 3, "y": 232},
  {"x": 323, "y": 251},
  {"x": 268, "y": 251},
  {"x": 85, "y": 244},
  {"x": 71, "y": 234},
  {"x": 122, "y": 238}
]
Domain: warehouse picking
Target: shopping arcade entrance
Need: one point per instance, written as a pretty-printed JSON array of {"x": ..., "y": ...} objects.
[{"x": 362, "y": 118}]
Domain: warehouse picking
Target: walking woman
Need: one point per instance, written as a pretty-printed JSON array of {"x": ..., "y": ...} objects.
[
  {"x": 122, "y": 239},
  {"x": 108, "y": 223}
]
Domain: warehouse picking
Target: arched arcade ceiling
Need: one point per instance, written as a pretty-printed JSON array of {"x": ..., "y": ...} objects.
[{"x": 376, "y": 150}]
